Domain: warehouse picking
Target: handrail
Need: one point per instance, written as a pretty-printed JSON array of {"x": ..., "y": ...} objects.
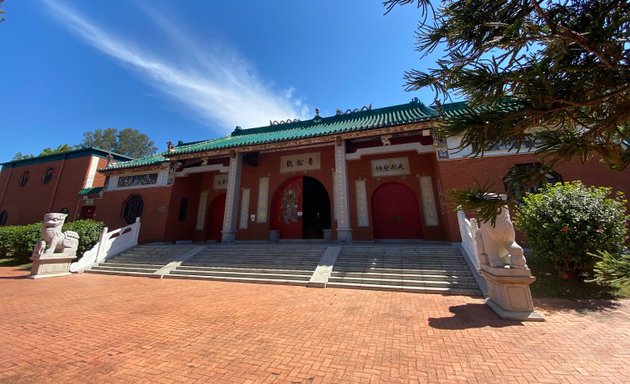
[
  {"x": 468, "y": 230},
  {"x": 109, "y": 244}
]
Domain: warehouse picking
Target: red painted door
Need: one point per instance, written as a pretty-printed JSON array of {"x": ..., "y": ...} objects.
[
  {"x": 87, "y": 212},
  {"x": 395, "y": 212},
  {"x": 214, "y": 220},
  {"x": 287, "y": 209}
]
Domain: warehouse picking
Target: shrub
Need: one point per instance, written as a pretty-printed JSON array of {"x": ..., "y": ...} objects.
[
  {"x": 568, "y": 222},
  {"x": 89, "y": 233},
  {"x": 6, "y": 236},
  {"x": 18, "y": 241}
]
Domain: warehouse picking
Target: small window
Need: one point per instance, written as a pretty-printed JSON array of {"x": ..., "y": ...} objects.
[
  {"x": 132, "y": 209},
  {"x": 26, "y": 175},
  {"x": 183, "y": 209},
  {"x": 523, "y": 178},
  {"x": 4, "y": 215},
  {"x": 48, "y": 175}
]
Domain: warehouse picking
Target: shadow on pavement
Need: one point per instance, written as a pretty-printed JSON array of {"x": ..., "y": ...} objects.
[
  {"x": 471, "y": 316},
  {"x": 581, "y": 306}
]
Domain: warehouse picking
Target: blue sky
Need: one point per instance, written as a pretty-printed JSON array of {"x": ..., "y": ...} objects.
[{"x": 193, "y": 70}]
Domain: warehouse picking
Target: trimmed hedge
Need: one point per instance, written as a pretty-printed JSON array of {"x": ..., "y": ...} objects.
[{"x": 17, "y": 241}]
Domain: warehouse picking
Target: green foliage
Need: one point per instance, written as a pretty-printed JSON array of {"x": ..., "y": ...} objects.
[
  {"x": 485, "y": 205},
  {"x": 568, "y": 222},
  {"x": 60, "y": 149},
  {"x": 22, "y": 156},
  {"x": 612, "y": 269},
  {"x": 561, "y": 67},
  {"x": 45, "y": 152},
  {"x": 89, "y": 233},
  {"x": 18, "y": 241},
  {"x": 128, "y": 141}
]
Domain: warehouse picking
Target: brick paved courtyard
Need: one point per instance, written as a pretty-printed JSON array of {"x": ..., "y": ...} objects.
[{"x": 107, "y": 329}]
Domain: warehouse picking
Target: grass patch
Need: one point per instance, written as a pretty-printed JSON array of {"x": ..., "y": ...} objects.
[
  {"x": 15, "y": 262},
  {"x": 550, "y": 285}
]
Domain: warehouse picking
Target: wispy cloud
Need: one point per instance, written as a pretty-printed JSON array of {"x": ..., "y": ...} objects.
[{"x": 221, "y": 87}]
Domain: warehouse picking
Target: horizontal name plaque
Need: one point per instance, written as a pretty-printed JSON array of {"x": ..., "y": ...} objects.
[
  {"x": 301, "y": 162},
  {"x": 390, "y": 167},
  {"x": 220, "y": 181}
]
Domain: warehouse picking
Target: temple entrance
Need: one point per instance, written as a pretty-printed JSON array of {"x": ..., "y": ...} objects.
[
  {"x": 301, "y": 209},
  {"x": 396, "y": 212},
  {"x": 214, "y": 218}
]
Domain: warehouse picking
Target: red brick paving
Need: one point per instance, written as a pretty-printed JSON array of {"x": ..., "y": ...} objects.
[{"x": 109, "y": 329}]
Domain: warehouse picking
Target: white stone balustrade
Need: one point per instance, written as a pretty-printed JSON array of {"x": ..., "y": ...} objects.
[{"x": 109, "y": 244}]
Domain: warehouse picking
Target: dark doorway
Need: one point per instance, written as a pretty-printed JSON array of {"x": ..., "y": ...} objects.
[
  {"x": 395, "y": 212},
  {"x": 316, "y": 209},
  {"x": 301, "y": 209},
  {"x": 214, "y": 218}
]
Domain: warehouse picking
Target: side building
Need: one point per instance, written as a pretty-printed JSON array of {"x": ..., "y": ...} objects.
[
  {"x": 65, "y": 182},
  {"x": 368, "y": 174}
]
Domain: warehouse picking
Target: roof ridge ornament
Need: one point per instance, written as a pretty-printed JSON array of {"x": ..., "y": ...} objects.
[
  {"x": 349, "y": 111},
  {"x": 279, "y": 122},
  {"x": 438, "y": 107}
]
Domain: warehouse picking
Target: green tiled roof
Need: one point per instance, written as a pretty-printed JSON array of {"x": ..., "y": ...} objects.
[
  {"x": 90, "y": 191},
  {"x": 155, "y": 159},
  {"x": 70, "y": 154},
  {"x": 319, "y": 126},
  {"x": 364, "y": 119}
]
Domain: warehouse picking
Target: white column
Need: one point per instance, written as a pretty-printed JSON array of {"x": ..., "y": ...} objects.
[
  {"x": 344, "y": 233},
  {"x": 228, "y": 234}
]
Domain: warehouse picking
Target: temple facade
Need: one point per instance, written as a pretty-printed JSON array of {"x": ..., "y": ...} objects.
[{"x": 368, "y": 174}]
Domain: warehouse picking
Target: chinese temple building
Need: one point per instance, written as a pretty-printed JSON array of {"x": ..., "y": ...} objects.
[{"x": 359, "y": 175}]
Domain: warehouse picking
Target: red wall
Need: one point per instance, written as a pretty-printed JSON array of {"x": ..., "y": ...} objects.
[
  {"x": 183, "y": 188},
  {"x": 463, "y": 172},
  {"x": 28, "y": 204},
  {"x": 154, "y": 218}
]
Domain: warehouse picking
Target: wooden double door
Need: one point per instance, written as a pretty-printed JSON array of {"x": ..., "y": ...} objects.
[{"x": 396, "y": 212}]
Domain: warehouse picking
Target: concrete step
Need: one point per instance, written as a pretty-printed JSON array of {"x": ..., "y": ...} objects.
[
  {"x": 403, "y": 282},
  {"x": 439, "y": 290},
  {"x": 429, "y": 270},
  {"x": 123, "y": 269},
  {"x": 123, "y": 273},
  {"x": 202, "y": 269},
  {"x": 243, "y": 275},
  {"x": 138, "y": 265},
  {"x": 237, "y": 279},
  {"x": 420, "y": 275},
  {"x": 404, "y": 268}
]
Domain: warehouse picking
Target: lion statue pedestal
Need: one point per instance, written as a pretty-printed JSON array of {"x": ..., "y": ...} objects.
[
  {"x": 54, "y": 252},
  {"x": 503, "y": 266}
]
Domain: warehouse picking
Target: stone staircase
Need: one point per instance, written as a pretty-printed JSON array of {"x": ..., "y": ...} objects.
[
  {"x": 253, "y": 262},
  {"x": 398, "y": 266},
  {"x": 404, "y": 267},
  {"x": 143, "y": 260}
]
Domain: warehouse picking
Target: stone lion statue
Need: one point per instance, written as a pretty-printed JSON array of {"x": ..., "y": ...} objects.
[
  {"x": 55, "y": 241},
  {"x": 497, "y": 246}
]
